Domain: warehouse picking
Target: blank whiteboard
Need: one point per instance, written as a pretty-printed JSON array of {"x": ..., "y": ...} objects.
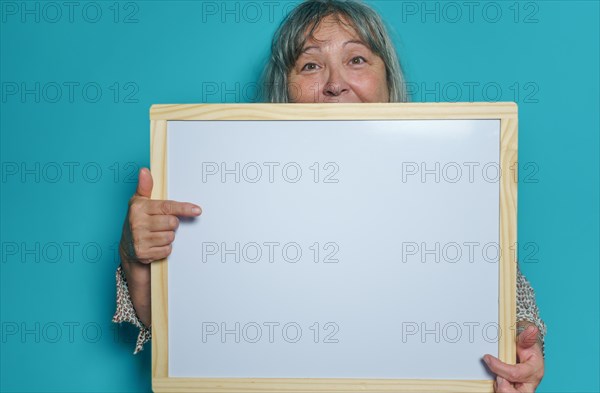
[{"x": 341, "y": 246}]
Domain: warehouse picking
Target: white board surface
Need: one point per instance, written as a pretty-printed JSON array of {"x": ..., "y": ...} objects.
[{"x": 331, "y": 277}]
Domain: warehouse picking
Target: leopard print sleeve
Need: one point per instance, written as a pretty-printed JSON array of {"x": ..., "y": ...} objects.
[
  {"x": 126, "y": 313},
  {"x": 527, "y": 309}
]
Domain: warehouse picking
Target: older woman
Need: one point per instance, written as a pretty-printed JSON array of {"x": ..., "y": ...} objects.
[{"x": 325, "y": 51}]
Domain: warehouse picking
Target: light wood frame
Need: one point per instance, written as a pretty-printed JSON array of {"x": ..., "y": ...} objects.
[{"x": 506, "y": 112}]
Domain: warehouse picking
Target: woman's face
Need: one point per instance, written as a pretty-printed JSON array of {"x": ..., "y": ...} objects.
[{"x": 337, "y": 67}]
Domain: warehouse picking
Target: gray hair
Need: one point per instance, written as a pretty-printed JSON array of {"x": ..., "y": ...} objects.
[{"x": 290, "y": 37}]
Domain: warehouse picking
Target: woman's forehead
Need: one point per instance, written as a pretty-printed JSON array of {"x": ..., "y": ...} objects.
[{"x": 330, "y": 27}]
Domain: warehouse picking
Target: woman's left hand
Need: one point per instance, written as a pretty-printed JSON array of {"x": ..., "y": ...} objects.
[{"x": 528, "y": 373}]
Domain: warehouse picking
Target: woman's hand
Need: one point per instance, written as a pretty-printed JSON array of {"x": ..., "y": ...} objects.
[
  {"x": 528, "y": 373},
  {"x": 148, "y": 231},
  {"x": 150, "y": 226}
]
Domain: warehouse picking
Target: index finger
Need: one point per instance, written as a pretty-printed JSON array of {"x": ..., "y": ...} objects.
[{"x": 174, "y": 208}]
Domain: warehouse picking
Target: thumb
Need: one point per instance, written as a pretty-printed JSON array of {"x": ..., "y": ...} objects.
[
  {"x": 144, "y": 187},
  {"x": 528, "y": 338}
]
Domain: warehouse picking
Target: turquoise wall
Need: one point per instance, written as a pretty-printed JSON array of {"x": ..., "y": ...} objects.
[{"x": 77, "y": 83}]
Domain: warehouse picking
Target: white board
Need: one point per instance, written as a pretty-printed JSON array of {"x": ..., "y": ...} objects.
[{"x": 350, "y": 195}]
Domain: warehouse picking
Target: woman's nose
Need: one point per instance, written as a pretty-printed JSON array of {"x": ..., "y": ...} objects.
[
  {"x": 334, "y": 89},
  {"x": 336, "y": 85}
]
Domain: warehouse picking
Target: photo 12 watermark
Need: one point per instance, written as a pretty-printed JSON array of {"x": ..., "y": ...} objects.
[
  {"x": 59, "y": 252},
  {"x": 61, "y": 92},
  {"x": 523, "y": 92},
  {"x": 451, "y": 12},
  {"x": 70, "y": 12},
  {"x": 69, "y": 172},
  {"x": 436, "y": 332},
  {"x": 472, "y": 252},
  {"x": 269, "y": 172},
  {"x": 271, "y": 332},
  {"x": 245, "y": 11},
  {"x": 71, "y": 332},
  {"x": 270, "y": 252},
  {"x": 467, "y": 172}
]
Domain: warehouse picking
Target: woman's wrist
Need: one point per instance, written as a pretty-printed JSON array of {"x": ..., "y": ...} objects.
[
  {"x": 137, "y": 273},
  {"x": 137, "y": 276}
]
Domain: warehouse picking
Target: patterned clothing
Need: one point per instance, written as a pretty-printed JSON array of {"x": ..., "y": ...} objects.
[
  {"x": 527, "y": 309},
  {"x": 126, "y": 313}
]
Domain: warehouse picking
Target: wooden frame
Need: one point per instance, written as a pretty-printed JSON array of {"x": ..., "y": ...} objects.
[{"x": 505, "y": 112}]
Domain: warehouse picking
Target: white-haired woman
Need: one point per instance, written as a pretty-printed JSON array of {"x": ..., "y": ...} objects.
[{"x": 325, "y": 51}]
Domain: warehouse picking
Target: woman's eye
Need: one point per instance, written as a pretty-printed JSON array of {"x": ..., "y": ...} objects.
[
  {"x": 358, "y": 60},
  {"x": 309, "y": 66}
]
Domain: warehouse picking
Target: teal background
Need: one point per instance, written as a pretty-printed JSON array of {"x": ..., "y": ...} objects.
[{"x": 545, "y": 57}]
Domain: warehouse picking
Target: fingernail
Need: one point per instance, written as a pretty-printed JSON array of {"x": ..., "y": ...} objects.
[
  {"x": 196, "y": 210},
  {"x": 486, "y": 360}
]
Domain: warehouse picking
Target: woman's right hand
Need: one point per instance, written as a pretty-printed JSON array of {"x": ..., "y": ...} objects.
[
  {"x": 148, "y": 231},
  {"x": 149, "y": 228}
]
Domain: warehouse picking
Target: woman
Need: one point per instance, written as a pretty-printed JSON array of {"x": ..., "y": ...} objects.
[{"x": 325, "y": 51}]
